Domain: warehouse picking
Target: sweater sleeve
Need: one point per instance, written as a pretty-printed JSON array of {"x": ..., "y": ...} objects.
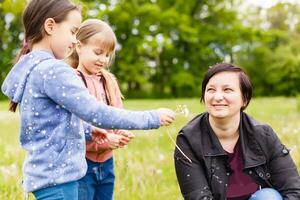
[
  {"x": 87, "y": 131},
  {"x": 64, "y": 87},
  {"x": 191, "y": 176}
]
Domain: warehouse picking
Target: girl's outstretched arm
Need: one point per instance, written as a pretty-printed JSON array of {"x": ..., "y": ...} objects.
[{"x": 64, "y": 87}]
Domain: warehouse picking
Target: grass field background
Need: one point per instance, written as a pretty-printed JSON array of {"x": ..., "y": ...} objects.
[{"x": 144, "y": 169}]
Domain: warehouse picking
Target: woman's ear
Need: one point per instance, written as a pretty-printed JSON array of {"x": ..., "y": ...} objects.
[
  {"x": 244, "y": 105},
  {"x": 49, "y": 25}
]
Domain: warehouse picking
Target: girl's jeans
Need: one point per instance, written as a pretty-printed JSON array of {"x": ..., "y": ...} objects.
[
  {"x": 98, "y": 183},
  {"x": 64, "y": 191}
]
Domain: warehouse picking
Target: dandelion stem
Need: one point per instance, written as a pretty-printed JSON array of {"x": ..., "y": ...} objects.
[{"x": 168, "y": 132}]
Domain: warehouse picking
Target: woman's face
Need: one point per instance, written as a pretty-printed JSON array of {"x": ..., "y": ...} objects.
[{"x": 223, "y": 97}]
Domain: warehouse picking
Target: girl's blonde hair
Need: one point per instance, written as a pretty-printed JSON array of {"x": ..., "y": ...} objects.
[{"x": 108, "y": 42}]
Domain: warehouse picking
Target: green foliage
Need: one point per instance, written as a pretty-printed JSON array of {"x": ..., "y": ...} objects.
[
  {"x": 166, "y": 46},
  {"x": 10, "y": 13},
  {"x": 298, "y": 102},
  {"x": 271, "y": 57}
]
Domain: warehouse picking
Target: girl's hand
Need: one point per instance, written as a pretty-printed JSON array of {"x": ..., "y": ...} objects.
[
  {"x": 115, "y": 140},
  {"x": 99, "y": 135},
  {"x": 100, "y": 132},
  {"x": 127, "y": 137},
  {"x": 166, "y": 115},
  {"x": 125, "y": 133}
]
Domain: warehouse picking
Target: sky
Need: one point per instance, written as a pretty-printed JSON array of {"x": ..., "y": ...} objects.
[{"x": 267, "y": 3}]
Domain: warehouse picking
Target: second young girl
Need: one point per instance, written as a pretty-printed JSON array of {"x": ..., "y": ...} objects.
[{"x": 93, "y": 54}]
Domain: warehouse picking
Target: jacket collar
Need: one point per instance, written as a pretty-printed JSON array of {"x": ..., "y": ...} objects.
[
  {"x": 202, "y": 139},
  {"x": 249, "y": 135}
]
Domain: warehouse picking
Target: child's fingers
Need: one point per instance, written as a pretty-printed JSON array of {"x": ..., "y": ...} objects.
[
  {"x": 167, "y": 116},
  {"x": 114, "y": 145},
  {"x": 100, "y": 140},
  {"x": 165, "y": 120},
  {"x": 125, "y": 140},
  {"x": 99, "y": 131},
  {"x": 126, "y": 133},
  {"x": 121, "y": 145},
  {"x": 117, "y": 141},
  {"x": 113, "y": 138},
  {"x": 131, "y": 135}
]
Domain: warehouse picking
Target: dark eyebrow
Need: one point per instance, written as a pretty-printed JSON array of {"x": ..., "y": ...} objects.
[{"x": 228, "y": 85}]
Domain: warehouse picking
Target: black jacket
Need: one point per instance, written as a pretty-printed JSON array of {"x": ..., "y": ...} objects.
[{"x": 266, "y": 160}]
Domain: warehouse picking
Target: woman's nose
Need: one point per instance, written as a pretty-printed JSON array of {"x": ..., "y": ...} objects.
[{"x": 218, "y": 96}]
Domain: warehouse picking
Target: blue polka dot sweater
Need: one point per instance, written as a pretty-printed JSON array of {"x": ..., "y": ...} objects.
[{"x": 55, "y": 109}]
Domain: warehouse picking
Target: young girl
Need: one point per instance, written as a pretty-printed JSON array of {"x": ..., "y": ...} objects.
[
  {"x": 54, "y": 103},
  {"x": 94, "y": 52}
]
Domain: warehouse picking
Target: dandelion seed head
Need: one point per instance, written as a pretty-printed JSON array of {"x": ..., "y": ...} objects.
[{"x": 183, "y": 110}]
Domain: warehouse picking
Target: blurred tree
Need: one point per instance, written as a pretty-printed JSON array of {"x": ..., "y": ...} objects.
[
  {"x": 165, "y": 47},
  {"x": 10, "y": 34},
  {"x": 272, "y": 56},
  {"x": 162, "y": 41}
]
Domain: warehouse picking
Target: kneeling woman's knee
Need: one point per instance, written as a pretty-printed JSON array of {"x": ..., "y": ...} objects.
[{"x": 266, "y": 193}]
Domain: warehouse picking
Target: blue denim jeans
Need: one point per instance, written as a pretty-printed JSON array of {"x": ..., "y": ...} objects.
[
  {"x": 266, "y": 194},
  {"x": 64, "y": 191},
  {"x": 98, "y": 183}
]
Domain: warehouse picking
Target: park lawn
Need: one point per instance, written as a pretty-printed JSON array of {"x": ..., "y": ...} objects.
[{"x": 144, "y": 169}]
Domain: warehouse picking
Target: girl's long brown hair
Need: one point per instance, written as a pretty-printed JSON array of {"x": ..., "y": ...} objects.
[
  {"x": 34, "y": 16},
  {"x": 108, "y": 41}
]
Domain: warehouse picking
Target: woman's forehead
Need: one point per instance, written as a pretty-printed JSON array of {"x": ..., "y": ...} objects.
[{"x": 225, "y": 77}]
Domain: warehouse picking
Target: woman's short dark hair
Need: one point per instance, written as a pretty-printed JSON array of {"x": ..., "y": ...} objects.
[{"x": 245, "y": 83}]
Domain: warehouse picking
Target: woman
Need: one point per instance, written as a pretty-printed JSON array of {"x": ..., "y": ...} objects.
[{"x": 226, "y": 153}]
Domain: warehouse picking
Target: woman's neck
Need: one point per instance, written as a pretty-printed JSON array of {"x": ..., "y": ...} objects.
[{"x": 225, "y": 129}]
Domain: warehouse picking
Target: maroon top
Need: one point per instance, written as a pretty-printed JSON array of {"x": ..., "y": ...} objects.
[{"x": 240, "y": 185}]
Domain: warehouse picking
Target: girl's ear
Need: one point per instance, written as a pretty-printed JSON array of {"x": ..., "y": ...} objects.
[
  {"x": 78, "y": 46},
  {"x": 49, "y": 25}
]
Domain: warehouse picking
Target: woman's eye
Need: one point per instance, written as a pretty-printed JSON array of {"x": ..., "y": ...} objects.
[
  {"x": 210, "y": 89},
  {"x": 228, "y": 90}
]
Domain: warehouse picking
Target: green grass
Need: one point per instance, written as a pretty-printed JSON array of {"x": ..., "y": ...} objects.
[{"x": 144, "y": 169}]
